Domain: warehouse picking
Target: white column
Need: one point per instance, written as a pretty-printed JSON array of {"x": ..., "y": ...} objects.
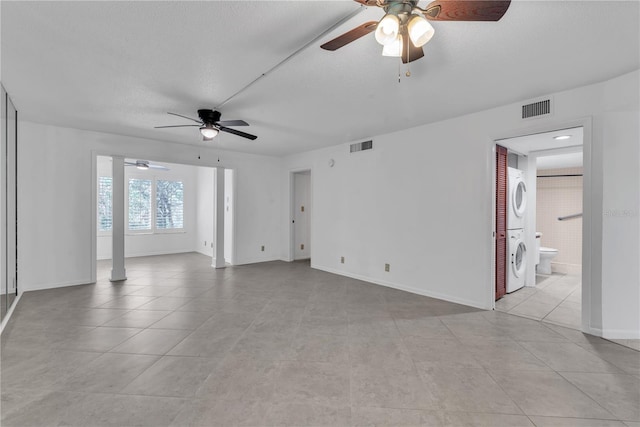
[
  {"x": 118, "y": 271},
  {"x": 218, "y": 220}
]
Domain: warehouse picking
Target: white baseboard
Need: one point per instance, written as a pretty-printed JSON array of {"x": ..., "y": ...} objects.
[
  {"x": 254, "y": 260},
  {"x": 45, "y": 286},
  {"x": 558, "y": 267},
  {"x": 7, "y": 316},
  {"x": 154, "y": 253},
  {"x": 621, "y": 334},
  {"x": 405, "y": 288}
]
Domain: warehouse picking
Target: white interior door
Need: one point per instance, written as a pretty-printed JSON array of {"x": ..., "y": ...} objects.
[{"x": 302, "y": 215}]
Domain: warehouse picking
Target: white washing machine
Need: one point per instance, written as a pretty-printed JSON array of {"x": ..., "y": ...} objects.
[
  {"x": 516, "y": 199},
  {"x": 517, "y": 262}
]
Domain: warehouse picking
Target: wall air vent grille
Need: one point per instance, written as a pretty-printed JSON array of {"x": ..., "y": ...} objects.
[
  {"x": 361, "y": 146},
  {"x": 536, "y": 109}
]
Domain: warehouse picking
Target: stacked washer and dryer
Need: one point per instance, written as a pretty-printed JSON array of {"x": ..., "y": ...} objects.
[{"x": 516, "y": 210}]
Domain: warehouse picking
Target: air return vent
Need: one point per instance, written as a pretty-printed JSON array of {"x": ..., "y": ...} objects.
[
  {"x": 361, "y": 146},
  {"x": 536, "y": 109}
]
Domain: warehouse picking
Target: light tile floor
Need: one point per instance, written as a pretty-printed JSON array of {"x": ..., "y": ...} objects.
[
  {"x": 180, "y": 344},
  {"x": 555, "y": 299}
]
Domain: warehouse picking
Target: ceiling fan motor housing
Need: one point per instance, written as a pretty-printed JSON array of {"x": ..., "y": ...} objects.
[{"x": 209, "y": 117}]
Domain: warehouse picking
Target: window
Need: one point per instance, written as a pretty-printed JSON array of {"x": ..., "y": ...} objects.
[
  {"x": 169, "y": 205},
  {"x": 104, "y": 203},
  {"x": 155, "y": 205},
  {"x": 139, "y": 204}
]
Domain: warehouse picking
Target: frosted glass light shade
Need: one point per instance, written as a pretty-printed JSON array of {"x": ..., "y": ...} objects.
[
  {"x": 387, "y": 29},
  {"x": 420, "y": 30},
  {"x": 208, "y": 132},
  {"x": 393, "y": 49}
]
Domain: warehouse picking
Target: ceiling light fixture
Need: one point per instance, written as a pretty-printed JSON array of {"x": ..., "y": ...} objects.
[
  {"x": 561, "y": 137},
  {"x": 208, "y": 132},
  {"x": 420, "y": 30},
  {"x": 142, "y": 165},
  {"x": 388, "y": 29},
  {"x": 393, "y": 49}
]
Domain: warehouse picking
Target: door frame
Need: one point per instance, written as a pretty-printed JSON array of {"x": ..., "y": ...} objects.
[
  {"x": 589, "y": 251},
  {"x": 292, "y": 209}
]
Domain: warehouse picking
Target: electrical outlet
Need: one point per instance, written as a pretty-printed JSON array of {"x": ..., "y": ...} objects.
[
  {"x": 387, "y": 267},
  {"x": 212, "y": 245},
  {"x": 205, "y": 243},
  {"x": 262, "y": 248},
  {"x": 341, "y": 260},
  {"x": 301, "y": 208},
  {"x": 302, "y": 247}
]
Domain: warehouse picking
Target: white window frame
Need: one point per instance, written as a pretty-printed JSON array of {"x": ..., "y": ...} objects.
[
  {"x": 153, "y": 229},
  {"x": 103, "y": 232},
  {"x": 127, "y": 230}
]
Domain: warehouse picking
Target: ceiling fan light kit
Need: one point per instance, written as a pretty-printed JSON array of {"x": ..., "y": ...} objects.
[
  {"x": 210, "y": 125},
  {"x": 388, "y": 29},
  {"x": 145, "y": 165},
  {"x": 420, "y": 31},
  {"x": 393, "y": 49},
  {"x": 405, "y": 26},
  {"x": 209, "y": 132}
]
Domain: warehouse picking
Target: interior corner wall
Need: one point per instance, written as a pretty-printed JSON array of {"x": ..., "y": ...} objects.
[
  {"x": 55, "y": 211},
  {"x": 416, "y": 203}
]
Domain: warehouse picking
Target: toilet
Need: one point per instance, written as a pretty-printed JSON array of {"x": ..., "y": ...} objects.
[{"x": 544, "y": 256}]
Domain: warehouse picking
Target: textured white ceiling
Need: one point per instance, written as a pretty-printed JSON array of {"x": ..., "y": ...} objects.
[
  {"x": 120, "y": 66},
  {"x": 545, "y": 142}
]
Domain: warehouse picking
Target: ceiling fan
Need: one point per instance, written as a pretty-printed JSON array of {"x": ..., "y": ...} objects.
[
  {"x": 144, "y": 165},
  {"x": 210, "y": 125},
  {"x": 405, "y": 27}
]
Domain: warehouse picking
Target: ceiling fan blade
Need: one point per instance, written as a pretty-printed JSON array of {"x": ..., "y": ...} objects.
[
  {"x": 237, "y": 132},
  {"x": 410, "y": 52},
  {"x": 176, "y": 126},
  {"x": 158, "y": 167},
  {"x": 367, "y": 2},
  {"x": 350, "y": 36},
  {"x": 129, "y": 164},
  {"x": 232, "y": 123},
  {"x": 185, "y": 117},
  {"x": 466, "y": 10}
]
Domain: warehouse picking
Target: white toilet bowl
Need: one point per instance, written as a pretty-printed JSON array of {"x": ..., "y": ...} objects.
[{"x": 546, "y": 255}]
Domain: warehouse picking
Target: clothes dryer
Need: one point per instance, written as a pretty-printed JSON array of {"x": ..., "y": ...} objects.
[{"x": 516, "y": 199}]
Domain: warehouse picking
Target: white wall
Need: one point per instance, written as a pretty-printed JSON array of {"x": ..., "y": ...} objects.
[
  {"x": 142, "y": 244},
  {"x": 229, "y": 214},
  {"x": 204, "y": 234},
  {"x": 56, "y": 209},
  {"x": 205, "y": 213},
  {"x": 421, "y": 200}
]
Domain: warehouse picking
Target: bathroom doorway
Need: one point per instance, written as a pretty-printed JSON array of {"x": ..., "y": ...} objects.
[{"x": 550, "y": 286}]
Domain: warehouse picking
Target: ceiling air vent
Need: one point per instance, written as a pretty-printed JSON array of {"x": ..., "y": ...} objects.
[
  {"x": 536, "y": 109},
  {"x": 361, "y": 146}
]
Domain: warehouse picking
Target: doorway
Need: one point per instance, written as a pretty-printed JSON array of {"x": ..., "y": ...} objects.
[
  {"x": 301, "y": 215},
  {"x": 548, "y": 284},
  {"x": 169, "y": 208}
]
